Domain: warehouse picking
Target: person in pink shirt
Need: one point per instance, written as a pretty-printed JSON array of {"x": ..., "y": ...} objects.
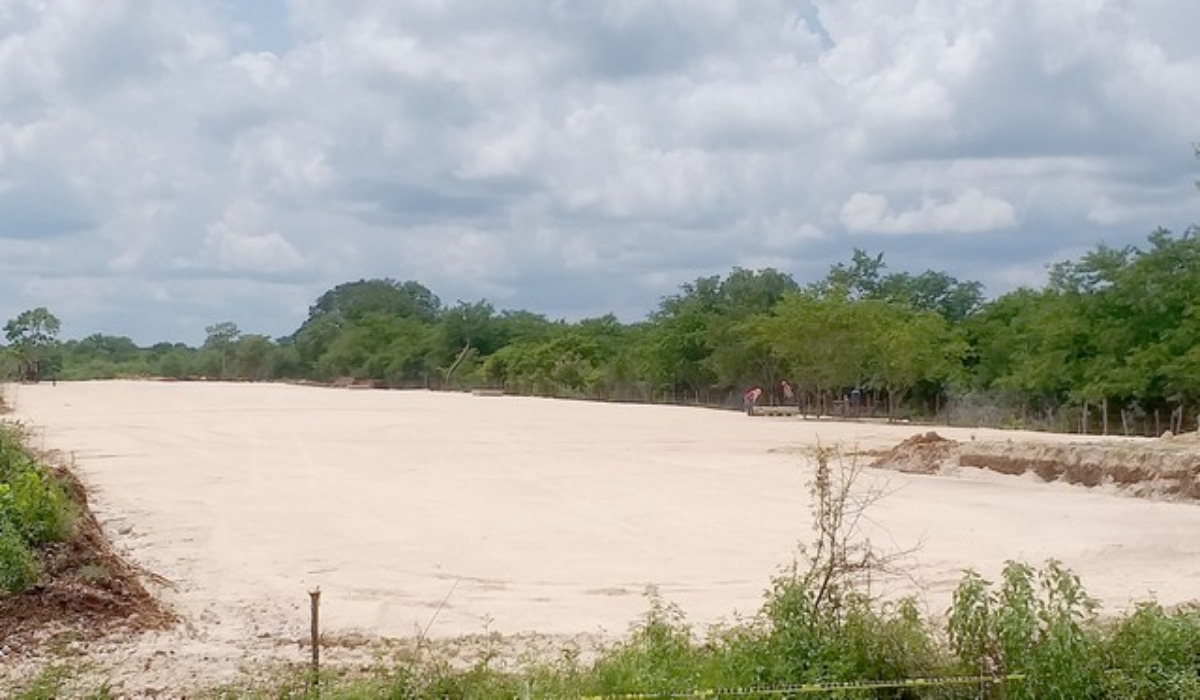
[{"x": 750, "y": 398}]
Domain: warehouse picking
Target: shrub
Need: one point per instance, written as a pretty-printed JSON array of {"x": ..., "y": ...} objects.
[
  {"x": 1154, "y": 654},
  {"x": 1040, "y": 623},
  {"x": 658, "y": 657},
  {"x": 34, "y": 510},
  {"x": 18, "y": 567}
]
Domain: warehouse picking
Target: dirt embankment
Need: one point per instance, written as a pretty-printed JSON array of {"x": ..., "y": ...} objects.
[
  {"x": 1167, "y": 468},
  {"x": 86, "y": 590}
]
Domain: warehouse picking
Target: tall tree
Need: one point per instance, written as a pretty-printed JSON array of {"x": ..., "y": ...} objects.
[
  {"x": 933, "y": 291},
  {"x": 353, "y": 300},
  {"x": 33, "y": 334},
  {"x": 860, "y": 279},
  {"x": 219, "y": 338},
  {"x": 338, "y": 310}
]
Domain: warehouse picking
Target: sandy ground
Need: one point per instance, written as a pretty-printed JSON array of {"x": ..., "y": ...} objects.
[{"x": 523, "y": 514}]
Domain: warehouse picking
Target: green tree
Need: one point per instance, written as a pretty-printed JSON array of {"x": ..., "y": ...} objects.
[
  {"x": 864, "y": 278},
  {"x": 32, "y": 336},
  {"x": 340, "y": 309},
  {"x": 379, "y": 347},
  {"x": 701, "y": 339},
  {"x": 253, "y": 357},
  {"x": 353, "y": 300},
  {"x": 220, "y": 338},
  {"x": 676, "y": 349},
  {"x": 933, "y": 291},
  {"x": 911, "y": 347},
  {"x": 823, "y": 341},
  {"x": 465, "y": 331},
  {"x": 860, "y": 279},
  {"x": 590, "y": 358}
]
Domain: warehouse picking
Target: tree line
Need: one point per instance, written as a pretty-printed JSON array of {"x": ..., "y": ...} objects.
[{"x": 1111, "y": 342}]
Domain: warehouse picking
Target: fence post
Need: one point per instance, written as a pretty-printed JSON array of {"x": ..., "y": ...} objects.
[{"x": 315, "y": 601}]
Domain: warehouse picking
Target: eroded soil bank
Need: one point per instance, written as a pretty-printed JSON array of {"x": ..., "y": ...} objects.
[{"x": 1167, "y": 468}]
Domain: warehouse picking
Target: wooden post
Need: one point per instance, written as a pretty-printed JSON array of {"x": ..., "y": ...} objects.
[{"x": 315, "y": 600}]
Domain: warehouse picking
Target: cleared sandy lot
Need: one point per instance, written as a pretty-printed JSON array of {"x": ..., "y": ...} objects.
[{"x": 527, "y": 514}]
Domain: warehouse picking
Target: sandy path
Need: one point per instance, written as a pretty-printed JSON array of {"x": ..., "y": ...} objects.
[{"x": 529, "y": 514}]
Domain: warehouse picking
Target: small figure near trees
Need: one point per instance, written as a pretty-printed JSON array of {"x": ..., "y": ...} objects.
[
  {"x": 750, "y": 398},
  {"x": 788, "y": 394}
]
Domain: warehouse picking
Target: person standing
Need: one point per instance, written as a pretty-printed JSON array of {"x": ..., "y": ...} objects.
[{"x": 788, "y": 395}]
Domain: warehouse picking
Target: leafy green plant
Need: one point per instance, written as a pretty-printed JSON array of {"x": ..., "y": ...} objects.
[
  {"x": 1040, "y": 623},
  {"x": 659, "y": 655},
  {"x": 39, "y": 507},
  {"x": 34, "y": 510},
  {"x": 1152, "y": 653},
  {"x": 18, "y": 567}
]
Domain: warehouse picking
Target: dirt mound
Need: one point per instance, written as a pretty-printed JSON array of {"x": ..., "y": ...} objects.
[
  {"x": 923, "y": 453},
  {"x": 1165, "y": 468},
  {"x": 87, "y": 590}
]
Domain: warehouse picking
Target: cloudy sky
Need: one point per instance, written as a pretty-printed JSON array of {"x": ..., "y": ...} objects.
[{"x": 167, "y": 165}]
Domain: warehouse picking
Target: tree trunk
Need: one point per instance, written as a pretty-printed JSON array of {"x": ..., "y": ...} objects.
[
  {"x": 1083, "y": 420},
  {"x": 1104, "y": 416},
  {"x": 461, "y": 356}
]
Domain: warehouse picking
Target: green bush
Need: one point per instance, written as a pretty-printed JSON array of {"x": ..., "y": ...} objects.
[
  {"x": 1040, "y": 624},
  {"x": 18, "y": 567},
  {"x": 659, "y": 656},
  {"x": 34, "y": 510},
  {"x": 1154, "y": 654}
]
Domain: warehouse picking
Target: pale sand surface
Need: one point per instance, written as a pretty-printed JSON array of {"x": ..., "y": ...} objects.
[{"x": 531, "y": 514}]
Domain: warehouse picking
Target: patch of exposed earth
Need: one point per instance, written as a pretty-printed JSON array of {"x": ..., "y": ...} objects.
[{"x": 1167, "y": 468}]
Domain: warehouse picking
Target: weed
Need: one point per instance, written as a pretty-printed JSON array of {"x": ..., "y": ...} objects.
[
  {"x": 95, "y": 574},
  {"x": 46, "y": 685}
]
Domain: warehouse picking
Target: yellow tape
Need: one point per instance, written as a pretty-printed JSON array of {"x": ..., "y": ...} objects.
[{"x": 813, "y": 688}]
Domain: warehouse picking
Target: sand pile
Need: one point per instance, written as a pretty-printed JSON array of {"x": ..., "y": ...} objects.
[{"x": 923, "y": 453}]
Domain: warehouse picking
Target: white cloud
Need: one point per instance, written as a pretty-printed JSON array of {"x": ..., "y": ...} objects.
[
  {"x": 439, "y": 252},
  {"x": 969, "y": 212},
  {"x": 242, "y": 241},
  {"x": 284, "y": 158},
  {"x": 532, "y": 149}
]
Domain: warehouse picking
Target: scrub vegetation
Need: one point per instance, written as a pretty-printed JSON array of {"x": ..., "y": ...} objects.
[{"x": 1104, "y": 346}]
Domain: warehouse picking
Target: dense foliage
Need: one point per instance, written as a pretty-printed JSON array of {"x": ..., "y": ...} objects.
[{"x": 1110, "y": 343}]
